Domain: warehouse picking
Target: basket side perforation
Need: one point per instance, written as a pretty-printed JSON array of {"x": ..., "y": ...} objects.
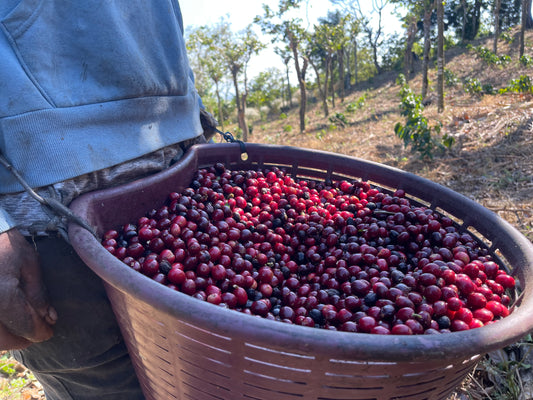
[{"x": 271, "y": 392}]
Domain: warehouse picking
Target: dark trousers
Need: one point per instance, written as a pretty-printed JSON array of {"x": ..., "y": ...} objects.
[{"x": 86, "y": 358}]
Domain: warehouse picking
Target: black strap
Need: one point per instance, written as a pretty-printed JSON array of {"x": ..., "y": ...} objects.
[
  {"x": 52, "y": 204},
  {"x": 228, "y": 137}
]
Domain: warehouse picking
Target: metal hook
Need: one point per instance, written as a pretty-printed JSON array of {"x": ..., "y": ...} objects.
[{"x": 228, "y": 137}]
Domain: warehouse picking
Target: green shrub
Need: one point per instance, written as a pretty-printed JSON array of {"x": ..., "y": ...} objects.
[
  {"x": 488, "y": 88},
  {"x": 505, "y": 59},
  {"x": 526, "y": 61},
  {"x": 339, "y": 119},
  {"x": 287, "y": 128},
  {"x": 507, "y": 36},
  {"x": 521, "y": 85},
  {"x": 489, "y": 57},
  {"x": 357, "y": 104},
  {"x": 416, "y": 132},
  {"x": 320, "y": 134},
  {"x": 472, "y": 86},
  {"x": 7, "y": 366},
  {"x": 450, "y": 78}
]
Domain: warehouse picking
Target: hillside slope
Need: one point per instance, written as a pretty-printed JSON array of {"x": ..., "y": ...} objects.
[{"x": 492, "y": 159}]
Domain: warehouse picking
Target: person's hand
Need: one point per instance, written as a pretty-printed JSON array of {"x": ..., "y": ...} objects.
[{"x": 25, "y": 315}]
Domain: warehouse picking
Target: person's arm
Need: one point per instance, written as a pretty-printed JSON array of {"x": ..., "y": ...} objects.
[
  {"x": 209, "y": 124},
  {"x": 25, "y": 315}
]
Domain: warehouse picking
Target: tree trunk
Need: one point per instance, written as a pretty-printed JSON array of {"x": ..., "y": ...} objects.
[
  {"x": 374, "y": 53},
  {"x": 219, "y": 106},
  {"x": 240, "y": 103},
  {"x": 340, "y": 56},
  {"x": 237, "y": 93},
  {"x": 476, "y": 19},
  {"x": 427, "y": 46},
  {"x": 523, "y": 27},
  {"x": 289, "y": 94},
  {"x": 529, "y": 18},
  {"x": 440, "y": 56},
  {"x": 355, "y": 69},
  {"x": 332, "y": 81},
  {"x": 323, "y": 89},
  {"x": 303, "y": 96},
  {"x": 300, "y": 74},
  {"x": 348, "y": 78},
  {"x": 471, "y": 19},
  {"x": 408, "y": 55},
  {"x": 465, "y": 19},
  {"x": 497, "y": 5},
  {"x": 242, "y": 124}
]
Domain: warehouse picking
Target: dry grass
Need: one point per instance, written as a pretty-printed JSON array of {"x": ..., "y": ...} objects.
[
  {"x": 491, "y": 162},
  {"x": 17, "y": 382}
]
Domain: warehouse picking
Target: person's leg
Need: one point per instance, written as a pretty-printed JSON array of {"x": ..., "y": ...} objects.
[{"x": 86, "y": 358}]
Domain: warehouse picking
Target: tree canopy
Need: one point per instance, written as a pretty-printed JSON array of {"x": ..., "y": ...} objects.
[{"x": 344, "y": 48}]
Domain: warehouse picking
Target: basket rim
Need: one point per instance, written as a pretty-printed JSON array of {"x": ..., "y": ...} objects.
[{"x": 272, "y": 334}]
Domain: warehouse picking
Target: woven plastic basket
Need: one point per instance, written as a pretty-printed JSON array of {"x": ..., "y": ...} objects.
[{"x": 183, "y": 348}]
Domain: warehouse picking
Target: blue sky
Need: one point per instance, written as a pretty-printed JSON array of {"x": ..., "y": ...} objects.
[{"x": 241, "y": 12}]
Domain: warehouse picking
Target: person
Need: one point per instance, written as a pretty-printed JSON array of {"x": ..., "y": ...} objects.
[{"x": 93, "y": 95}]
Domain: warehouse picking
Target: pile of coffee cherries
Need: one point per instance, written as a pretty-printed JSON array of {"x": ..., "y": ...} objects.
[{"x": 339, "y": 255}]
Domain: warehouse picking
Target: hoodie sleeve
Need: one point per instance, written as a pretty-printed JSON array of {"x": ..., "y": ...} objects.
[{"x": 6, "y": 223}]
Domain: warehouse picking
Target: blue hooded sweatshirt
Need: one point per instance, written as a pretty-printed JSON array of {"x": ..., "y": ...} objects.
[{"x": 85, "y": 85}]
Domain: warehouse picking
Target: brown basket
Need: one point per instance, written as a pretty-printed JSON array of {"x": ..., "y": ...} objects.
[{"x": 183, "y": 348}]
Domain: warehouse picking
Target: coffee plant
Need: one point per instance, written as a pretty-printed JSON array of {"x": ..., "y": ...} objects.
[
  {"x": 7, "y": 366},
  {"x": 450, "y": 78},
  {"x": 357, "y": 104},
  {"x": 472, "y": 86},
  {"x": 489, "y": 57},
  {"x": 488, "y": 89},
  {"x": 416, "y": 132},
  {"x": 287, "y": 128},
  {"x": 320, "y": 134},
  {"x": 520, "y": 85},
  {"x": 526, "y": 61},
  {"x": 12, "y": 380},
  {"x": 339, "y": 120},
  {"x": 507, "y": 36}
]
